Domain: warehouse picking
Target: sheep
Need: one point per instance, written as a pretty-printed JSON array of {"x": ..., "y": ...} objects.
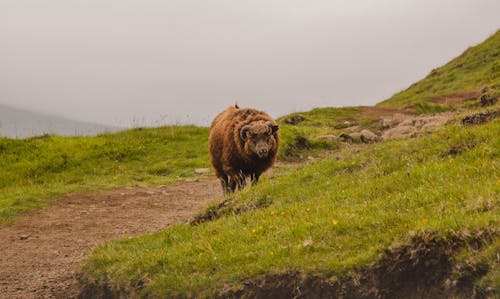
[{"x": 243, "y": 143}]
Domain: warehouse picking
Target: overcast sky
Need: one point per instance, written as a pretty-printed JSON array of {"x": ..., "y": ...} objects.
[{"x": 138, "y": 61}]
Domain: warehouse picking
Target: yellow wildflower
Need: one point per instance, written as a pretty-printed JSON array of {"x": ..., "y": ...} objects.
[
  {"x": 335, "y": 221},
  {"x": 425, "y": 220}
]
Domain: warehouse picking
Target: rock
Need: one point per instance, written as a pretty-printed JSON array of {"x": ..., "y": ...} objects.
[
  {"x": 351, "y": 137},
  {"x": 368, "y": 136},
  {"x": 23, "y": 237},
  {"x": 480, "y": 118},
  {"x": 365, "y": 136},
  {"x": 201, "y": 170},
  {"x": 488, "y": 99}
]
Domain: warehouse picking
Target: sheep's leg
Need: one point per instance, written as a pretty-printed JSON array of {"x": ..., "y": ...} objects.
[
  {"x": 225, "y": 183},
  {"x": 232, "y": 184},
  {"x": 255, "y": 178},
  {"x": 241, "y": 181}
]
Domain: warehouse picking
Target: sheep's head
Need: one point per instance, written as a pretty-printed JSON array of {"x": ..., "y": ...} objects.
[{"x": 260, "y": 138}]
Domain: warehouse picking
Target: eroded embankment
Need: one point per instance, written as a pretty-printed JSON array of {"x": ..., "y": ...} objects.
[{"x": 423, "y": 268}]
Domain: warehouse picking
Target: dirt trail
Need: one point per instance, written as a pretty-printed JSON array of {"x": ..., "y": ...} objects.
[{"x": 41, "y": 252}]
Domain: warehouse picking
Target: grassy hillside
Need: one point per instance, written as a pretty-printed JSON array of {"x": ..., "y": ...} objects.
[
  {"x": 327, "y": 221},
  {"x": 478, "y": 67},
  {"x": 34, "y": 170}
]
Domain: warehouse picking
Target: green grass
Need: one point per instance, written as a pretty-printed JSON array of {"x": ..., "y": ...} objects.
[
  {"x": 324, "y": 219},
  {"x": 476, "y": 68},
  {"x": 34, "y": 170}
]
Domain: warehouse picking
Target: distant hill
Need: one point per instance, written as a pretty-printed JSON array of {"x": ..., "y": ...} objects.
[
  {"x": 19, "y": 123},
  {"x": 461, "y": 79}
]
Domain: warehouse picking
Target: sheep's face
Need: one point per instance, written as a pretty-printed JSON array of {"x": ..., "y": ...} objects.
[{"x": 259, "y": 138}]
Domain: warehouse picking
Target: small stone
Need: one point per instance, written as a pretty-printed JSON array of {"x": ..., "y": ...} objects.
[
  {"x": 202, "y": 170},
  {"x": 23, "y": 237},
  {"x": 307, "y": 243}
]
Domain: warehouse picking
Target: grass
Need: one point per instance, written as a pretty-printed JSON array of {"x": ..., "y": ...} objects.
[
  {"x": 476, "y": 68},
  {"x": 35, "y": 170},
  {"x": 324, "y": 219}
]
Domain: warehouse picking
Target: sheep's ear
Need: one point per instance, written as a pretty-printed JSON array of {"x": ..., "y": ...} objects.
[
  {"x": 243, "y": 132},
  {"x": 274, "y": 128}
]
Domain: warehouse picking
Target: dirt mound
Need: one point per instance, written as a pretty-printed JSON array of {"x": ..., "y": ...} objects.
[
  {"x": 42, "y": 250},
  {"x": 421, "y": 269}
]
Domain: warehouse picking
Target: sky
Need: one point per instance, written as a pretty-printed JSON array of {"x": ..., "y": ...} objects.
[{"x": 155, "y": 62}]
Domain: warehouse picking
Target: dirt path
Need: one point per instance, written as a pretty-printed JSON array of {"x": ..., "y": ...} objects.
[{"x": 40, "y": 253}]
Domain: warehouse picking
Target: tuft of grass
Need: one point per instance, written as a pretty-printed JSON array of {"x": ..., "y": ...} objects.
[
  {"x": 478, "y": 67},
  {"x": 430, "y": 108},
  {"x": 324, "y": 220},
  {"x": 34, "y": 170}
]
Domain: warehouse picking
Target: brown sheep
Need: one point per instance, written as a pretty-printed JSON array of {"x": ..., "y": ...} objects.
[{"x": 243, "y": 143}]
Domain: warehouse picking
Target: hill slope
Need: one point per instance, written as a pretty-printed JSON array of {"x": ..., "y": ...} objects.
[
  {"x": 463, "y": 77},
  {"x": 19, "y": 123}
]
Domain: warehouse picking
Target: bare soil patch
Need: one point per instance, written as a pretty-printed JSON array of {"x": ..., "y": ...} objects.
[
  {"x": 456, "y": 98},
  {"x": 41, "y": 252},
  {"x": 376, "y": 112}
]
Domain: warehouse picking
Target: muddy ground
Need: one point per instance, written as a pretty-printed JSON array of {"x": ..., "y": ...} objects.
[{"x": 42, "y": 250}]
